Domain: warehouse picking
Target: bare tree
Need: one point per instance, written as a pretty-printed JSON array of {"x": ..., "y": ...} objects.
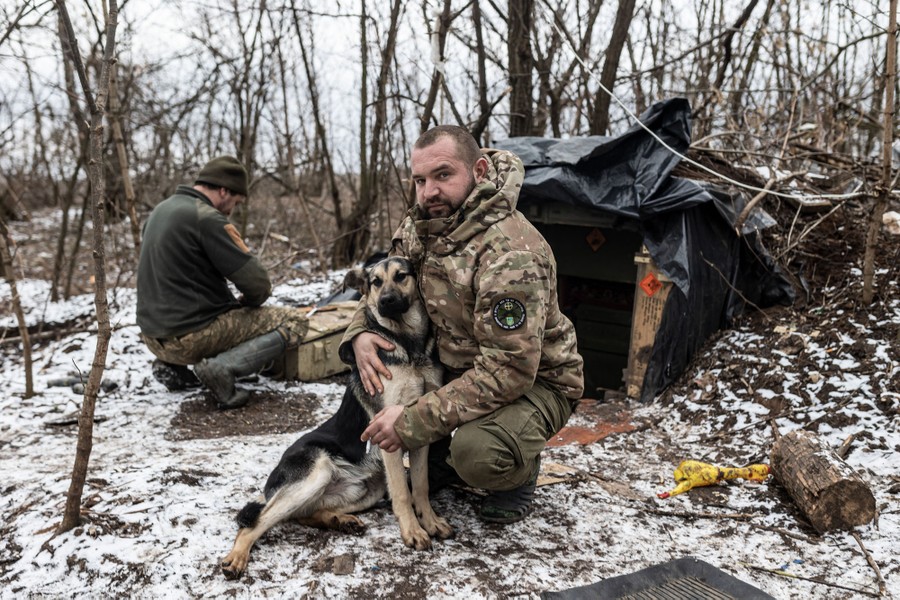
[
  {"x": 438, "y": 44},
  {"x": 70, "y": 51},
  {"x": 249, "y": 81},
  {"x": 520, "y": 19},
  {"x": 887, "y": 180},
  {"x": 322, "y": 150},
  {"x": 554, "y": 83},
  {"x": 10, "y": 275},
  {"x": 600, "y": 115},
  {"x": 484, "y": 106},
  {"x": 72, "y": 511},
  {"x": 737, "y": 111},
  {"x": 725, "y": 62},
  {"x": 353, "y": 235},
  {"x": 290, "y": 173},
  {"x": 115, "y": 118}
]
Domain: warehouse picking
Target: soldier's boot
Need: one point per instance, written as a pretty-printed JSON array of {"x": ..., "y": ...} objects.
[
  {"x": 512, "y": 505},
  {"x": 219, "y": 373},
  {"x": 176, "y": 378}
]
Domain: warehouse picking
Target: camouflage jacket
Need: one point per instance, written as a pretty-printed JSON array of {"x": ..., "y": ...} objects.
[{"x": 488, "y": 279}]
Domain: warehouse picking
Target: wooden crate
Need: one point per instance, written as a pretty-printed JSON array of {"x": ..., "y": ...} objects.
[
  {"x": 651, "y": 291},
  {"x": 317, "y": 355}
]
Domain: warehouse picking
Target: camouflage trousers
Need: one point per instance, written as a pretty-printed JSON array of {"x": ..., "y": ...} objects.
[
  {"x": 499, "y": 451},
  {"x": 227, "y": 331}
]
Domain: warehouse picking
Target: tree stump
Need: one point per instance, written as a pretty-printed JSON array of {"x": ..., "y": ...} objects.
[{"x": 825, "y": 488}]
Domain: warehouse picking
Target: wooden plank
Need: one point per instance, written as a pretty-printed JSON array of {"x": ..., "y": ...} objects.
[{"x": 651, "y": 291}]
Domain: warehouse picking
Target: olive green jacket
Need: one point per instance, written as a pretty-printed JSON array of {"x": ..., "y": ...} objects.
[{"x": 189, "y": 252}]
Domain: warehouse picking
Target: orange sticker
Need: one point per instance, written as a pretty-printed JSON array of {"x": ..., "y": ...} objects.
[
  {"x": 650, "y": 284},
  {"x": 232, "y": 232}
]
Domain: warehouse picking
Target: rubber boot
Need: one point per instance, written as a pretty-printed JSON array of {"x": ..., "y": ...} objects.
[
  {"x": 175, "y": 377},
  {"x": 219, "y": 373},
  {"x": 512, "y": 505}
]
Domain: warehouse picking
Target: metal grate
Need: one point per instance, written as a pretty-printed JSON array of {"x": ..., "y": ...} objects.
[
  {"x": 682, "y": 579},
  {"x": 685, "y": 588}
]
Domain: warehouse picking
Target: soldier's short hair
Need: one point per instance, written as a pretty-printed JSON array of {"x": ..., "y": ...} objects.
[{"x": 466, "y": 146}]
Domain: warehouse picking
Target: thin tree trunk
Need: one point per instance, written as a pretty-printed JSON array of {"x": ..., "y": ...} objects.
[
  {"x": 69, "y": 50},
  {"x": 115, "y": 119},
  {"x": 76, "y": 244},
  {"x": 521, "y": 65},
  {"x": 737, "y": 96},
  {"x": 727, "y": 52},
  {"x": 438, "y": 42},
  {"x": 10, "y": 275},
  {"x": 484, "y": 107},
  {"x": 72, "y": 511},
  {"x": 321, "y": 134},
  {"x": 552, "y": 84},
  {"x": 600, "y": 117},
  {"x": 291, "y": 163},
  {"x": 881, "y": 201},
  {"x": 344, "y": 254}
]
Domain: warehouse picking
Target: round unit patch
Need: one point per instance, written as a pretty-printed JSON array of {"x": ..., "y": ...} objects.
[{"x": 509, "y": 313}]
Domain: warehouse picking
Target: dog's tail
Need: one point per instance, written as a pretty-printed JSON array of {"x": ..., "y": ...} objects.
[{"x": 249, "y": 515}]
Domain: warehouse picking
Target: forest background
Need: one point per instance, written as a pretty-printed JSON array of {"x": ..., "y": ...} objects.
[{"x": 321, "y": 100}]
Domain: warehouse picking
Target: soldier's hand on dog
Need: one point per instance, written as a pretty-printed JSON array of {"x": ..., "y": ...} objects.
[
  {"x": 365, "y": 348},
  {"x": 381, "y": 430}
]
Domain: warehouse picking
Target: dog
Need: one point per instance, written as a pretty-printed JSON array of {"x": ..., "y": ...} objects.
[{"x": 329, "y": 473}]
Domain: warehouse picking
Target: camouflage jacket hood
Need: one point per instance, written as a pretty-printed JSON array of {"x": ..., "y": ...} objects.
[
  {"x": 492, "y": 200},
  {"x": 488, "y": 279}
]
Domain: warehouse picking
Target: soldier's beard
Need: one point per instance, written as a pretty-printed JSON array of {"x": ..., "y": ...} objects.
[{"x": 442, "y": 207}]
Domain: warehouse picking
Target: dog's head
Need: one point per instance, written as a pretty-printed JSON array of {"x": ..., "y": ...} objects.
[{"x": 389, "y": 286}]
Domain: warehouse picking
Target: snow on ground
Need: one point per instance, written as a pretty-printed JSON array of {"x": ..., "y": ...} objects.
[{"x": 159, "y": 511}]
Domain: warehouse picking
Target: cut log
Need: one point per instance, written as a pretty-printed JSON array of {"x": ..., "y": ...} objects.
[{"x": 825, "y": 488}]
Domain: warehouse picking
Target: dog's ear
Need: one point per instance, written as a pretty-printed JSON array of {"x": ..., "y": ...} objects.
[{"x": 357, "y": 279}]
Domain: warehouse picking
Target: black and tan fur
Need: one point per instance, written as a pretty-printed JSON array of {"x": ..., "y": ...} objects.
[{"x": 328, "y": 473}]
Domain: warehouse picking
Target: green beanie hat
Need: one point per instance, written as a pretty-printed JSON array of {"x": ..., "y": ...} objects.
[{"x": 226, "y": 172}]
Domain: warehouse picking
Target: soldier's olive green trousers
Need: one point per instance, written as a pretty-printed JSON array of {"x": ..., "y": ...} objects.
[
  {"x": 227, "y": 331},
  {"x": 498, "y": 451}
]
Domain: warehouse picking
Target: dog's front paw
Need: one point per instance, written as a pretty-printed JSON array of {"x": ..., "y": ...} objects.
[
  {"x": 439, "y": 528},
  {"x": 416, "y": 537},
  {"x": 234, "y": 564}
]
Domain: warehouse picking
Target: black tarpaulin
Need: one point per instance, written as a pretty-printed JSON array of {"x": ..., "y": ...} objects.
[{"x": 687, "y": 227}]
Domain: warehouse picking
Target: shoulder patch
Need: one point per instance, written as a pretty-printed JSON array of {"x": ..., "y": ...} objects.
[
  {"x": 232, "y": 232},
  {"x": 509, "y": 313}
]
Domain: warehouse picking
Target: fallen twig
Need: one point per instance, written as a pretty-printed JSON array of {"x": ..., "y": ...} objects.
[
  {"x": 739, "y": 223},
  {"x": 60, "y": 333},
  {"x": 73, "y": 420},
  {"x": 845, "y": 447},
  {"x": 812, "y": 579},
  {"x": 882, "y": 586},
  {"x": 782, "y": 531},
  {"x": 690, "y": 515},
  {"x": 46, "y": 335}
]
